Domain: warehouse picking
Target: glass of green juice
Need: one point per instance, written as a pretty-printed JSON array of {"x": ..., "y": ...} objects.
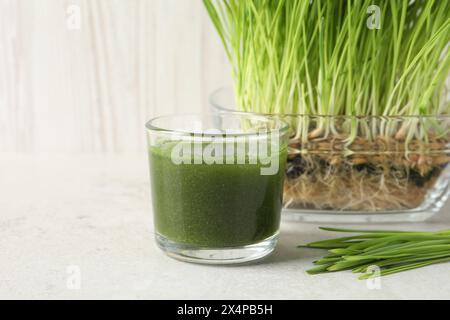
[{"x": 217, "y": 185}]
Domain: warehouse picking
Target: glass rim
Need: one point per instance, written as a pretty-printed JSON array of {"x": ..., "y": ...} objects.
[
  {"x": 150, "y": 124},
  {"x": 223, "y": 109}
]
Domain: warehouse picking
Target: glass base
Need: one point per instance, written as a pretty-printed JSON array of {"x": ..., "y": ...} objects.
[
  {"x": 204, "y": 255},
  {"x": 355, "y": 217}
]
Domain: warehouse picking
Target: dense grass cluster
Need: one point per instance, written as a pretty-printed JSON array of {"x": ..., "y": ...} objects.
[{"x": 323, "y": 57}]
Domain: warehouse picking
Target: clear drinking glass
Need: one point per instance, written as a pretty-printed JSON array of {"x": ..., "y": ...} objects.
[{"x": 217, "y": 185}]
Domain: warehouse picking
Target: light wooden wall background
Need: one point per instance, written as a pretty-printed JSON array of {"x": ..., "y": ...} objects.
[{"x": 91, "y": 89}]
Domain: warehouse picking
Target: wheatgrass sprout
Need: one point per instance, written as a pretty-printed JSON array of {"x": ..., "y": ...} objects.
[
  {"x": 321, "y": 57},
  {"x": 364, "y": 86},
  {"x": 390, "y": 251}
]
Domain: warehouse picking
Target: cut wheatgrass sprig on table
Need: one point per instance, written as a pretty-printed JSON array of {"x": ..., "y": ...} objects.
[{"x": 390, "y": 251}]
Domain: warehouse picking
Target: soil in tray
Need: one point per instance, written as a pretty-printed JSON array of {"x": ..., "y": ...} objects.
[{"x": 366, "y": 176}]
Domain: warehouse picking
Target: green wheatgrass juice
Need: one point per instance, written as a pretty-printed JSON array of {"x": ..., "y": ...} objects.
[{"x": 215, "y": 205}]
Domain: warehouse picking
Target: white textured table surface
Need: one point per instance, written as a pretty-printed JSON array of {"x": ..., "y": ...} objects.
[{"x": 93, "y": 212}]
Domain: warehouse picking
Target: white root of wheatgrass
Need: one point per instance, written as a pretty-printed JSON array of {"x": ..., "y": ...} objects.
[
  {"x": 368, "y": 198},
  {"x": 347, "y": 189}
]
